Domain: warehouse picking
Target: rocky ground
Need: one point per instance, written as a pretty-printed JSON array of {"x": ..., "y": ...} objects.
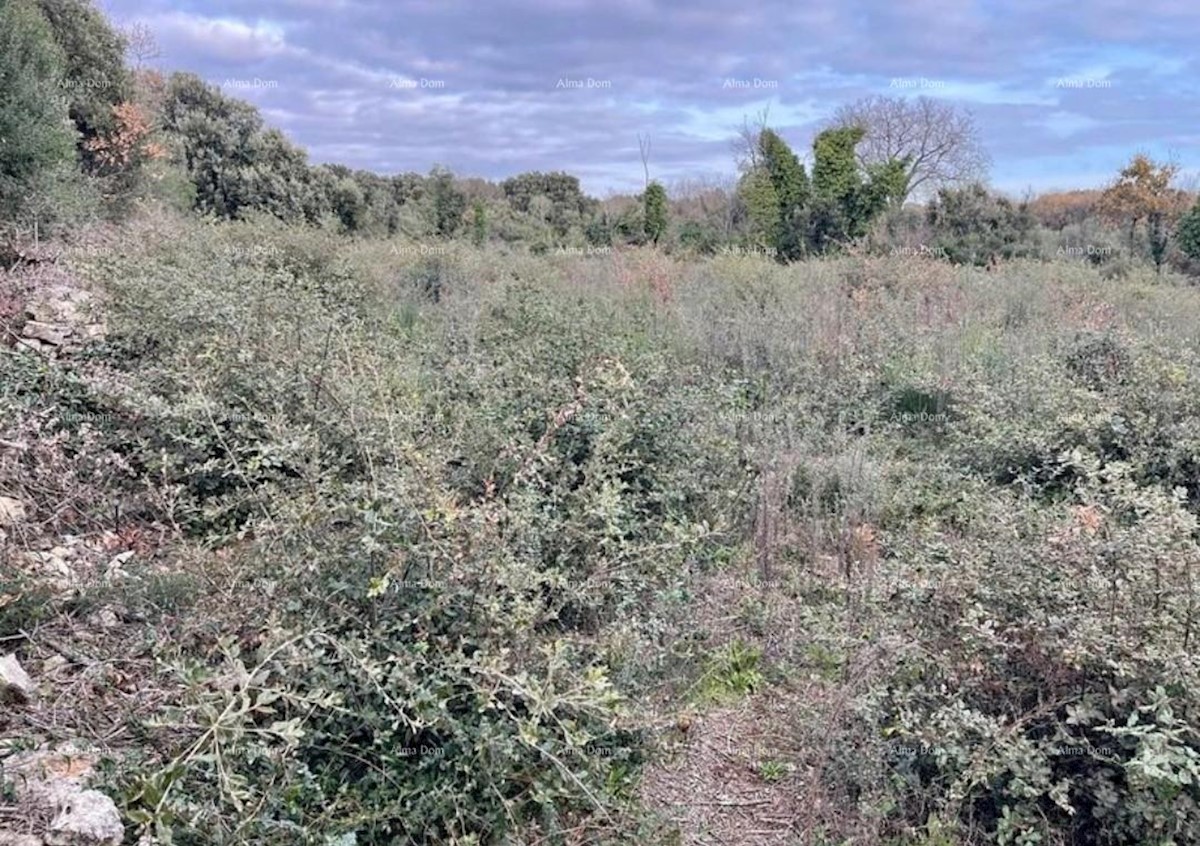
[{"x": 48, "y": 753}]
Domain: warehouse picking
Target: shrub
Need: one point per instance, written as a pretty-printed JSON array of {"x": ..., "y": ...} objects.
[{"x": 972, "y": 226}]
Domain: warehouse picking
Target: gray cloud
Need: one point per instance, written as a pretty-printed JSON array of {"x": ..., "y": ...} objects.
[{"x": 401, "y": 85}]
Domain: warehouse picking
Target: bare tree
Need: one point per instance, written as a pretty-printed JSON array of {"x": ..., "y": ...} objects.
[
  {"x": 140, "y": 43},
  {"x": 941, "y": 142},
  {"x": 745, "y": 143},
  {"x": 644, "y": 149},
  {"x": 709, "y": 198}
]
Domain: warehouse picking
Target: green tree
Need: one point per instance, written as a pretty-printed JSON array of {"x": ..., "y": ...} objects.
[
  {"x": 845, "y": 198},
  {"x": 478, "y": 224},
  {"x": 790, "y": 185},
  {"x": 278, "y": 176},
  {"x": 218, "y": 141},
  {"x": 95, "y": 77},
  {"x": 655, "y": 211},
  {"x": 761, "y": 200},
  {"x": 837, "y": 210},
  {"x": 348, "y": 203},
  {"x": 36, "y": 138},
  {"x": 555, "y": 199},
  {"x": 835, "y": 171},
  {"x": 236, "y": 164},
  {"x": 785, "y": 171},
  {"x": 1188, "y": 234},
  {"x": 448, "y": 202}
]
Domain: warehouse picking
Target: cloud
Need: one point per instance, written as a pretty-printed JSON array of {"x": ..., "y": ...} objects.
[
  {"x": 223, "y": 39},
  {"x": 487, "y": 99}
]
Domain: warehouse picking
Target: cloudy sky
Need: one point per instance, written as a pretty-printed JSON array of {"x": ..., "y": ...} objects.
[{"x": 1064, "y": 92}]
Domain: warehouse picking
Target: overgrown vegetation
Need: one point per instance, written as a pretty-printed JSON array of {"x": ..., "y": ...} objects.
[
  {"x": 447, "y": 547},
  {"x": 455, "y": 530}
]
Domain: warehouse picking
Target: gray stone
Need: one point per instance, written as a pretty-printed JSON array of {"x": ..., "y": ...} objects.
[
  {"x": 12, "y": 511},
  {"x": 83, "y": 817},
  {"x": 47, "y": 333},
  {"x": 33, "y": 345},
  {"x": 15, "y": 684}
]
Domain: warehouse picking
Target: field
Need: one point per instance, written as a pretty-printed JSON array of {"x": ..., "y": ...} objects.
[{"x": 332, "y": 540}]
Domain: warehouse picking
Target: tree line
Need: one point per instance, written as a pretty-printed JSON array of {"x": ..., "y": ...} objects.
[{"x": 83, "y": 135}]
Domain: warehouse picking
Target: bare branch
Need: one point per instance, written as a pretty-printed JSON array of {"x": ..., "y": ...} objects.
[
  {"x": 941, "y": 142},
  {"x": 745, "y": 143},
  {"x": 140, "y": 43},
  {"x": 644, "y": 149}
]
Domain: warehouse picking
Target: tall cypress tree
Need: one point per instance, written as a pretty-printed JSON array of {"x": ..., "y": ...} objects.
[
  {"x": 655, "y": 210},
  {"x": 791, "y": 193}
]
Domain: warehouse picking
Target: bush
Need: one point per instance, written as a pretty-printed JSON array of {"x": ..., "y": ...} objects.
[{"x": 972, "y": 226}]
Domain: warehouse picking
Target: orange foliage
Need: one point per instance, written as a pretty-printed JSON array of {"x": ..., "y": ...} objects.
[
  {"x": 128, "y": 143},
  {"x": 1058, "y": 209},
  {"x": 1143, "y": 191}
]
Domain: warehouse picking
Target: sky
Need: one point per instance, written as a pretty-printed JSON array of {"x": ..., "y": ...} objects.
[{"x": 1063, "y": 93}]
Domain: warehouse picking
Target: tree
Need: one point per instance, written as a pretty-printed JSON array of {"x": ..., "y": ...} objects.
[
  {"x": 95, "y": 78},
  {"x": 655, "y": 211},
  {"x": 1059, "y": 209},
  {"x": 478, "y": 224},
  {"x": 791, "y": 189},
  {"x": 792, "y": 214},
  {"x": 237, "y": 165},
  {"x": 218, "y": 135},
  {"x": 1188, "y": 234},
  {"x": 448, "y": 202},
  {"x": 785, "y": 170},
  {"x": 644, "y": 150},
  {"x": 36, "y": 137},
  {"x": 140, "y": 44},
  {"x": 747, "y": 149},
  {"x": 348, "y": 204},
  {"x": 554, "y": 199},
  {"x": 1142, "y": 193},
  {"x": 774, "y": 189},
  {"x": 940, "y": 142},
  {"x": 758, "y": 194},
  {"x": 846, "y": 197}
]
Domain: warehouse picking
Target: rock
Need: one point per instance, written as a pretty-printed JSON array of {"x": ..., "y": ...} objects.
[
  {"x": 83, "y": 817},
  {"x": 12, "y": 511},
  {"x": 52, "y": 665},
  {"x": 53, "y": 565},
  {"x": 115, "y": 571},
  {"x": 58, "y": 306},
  {"x": 51, "y": 783},
  {"x": 15, "y": 684},
  {"x": 105, "y": 618},
  {"x": 31, "y": 345},
  {"x": 48, "y": 333},
  {"x": 43, "y": 311}
]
